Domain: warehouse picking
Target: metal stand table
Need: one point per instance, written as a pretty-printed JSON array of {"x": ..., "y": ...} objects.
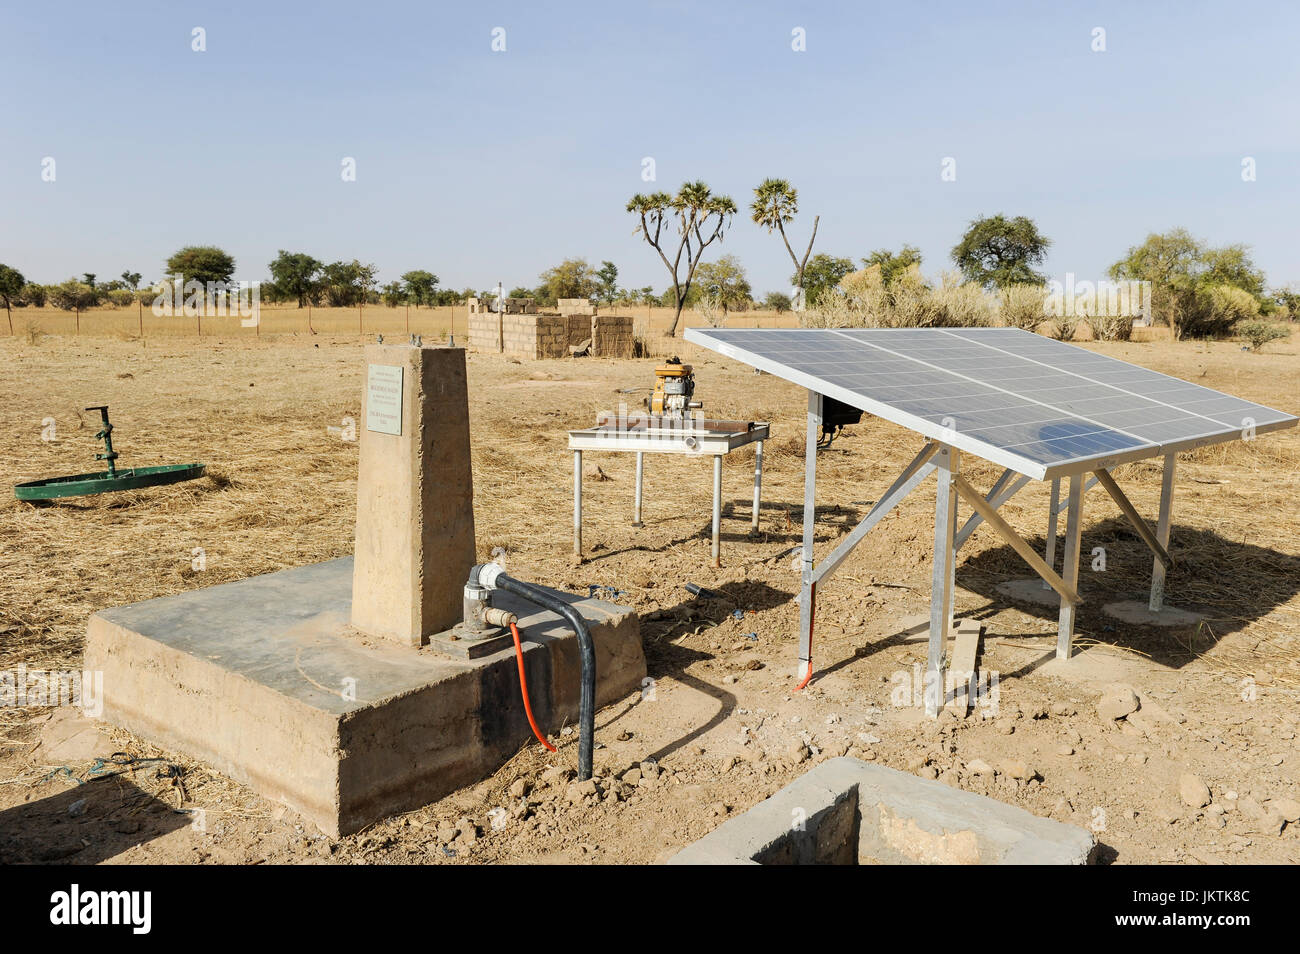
[{"x": 661, "y": 435}]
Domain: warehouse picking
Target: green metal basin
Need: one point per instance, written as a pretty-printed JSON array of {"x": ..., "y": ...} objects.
[{"x": 133, "y": 478}]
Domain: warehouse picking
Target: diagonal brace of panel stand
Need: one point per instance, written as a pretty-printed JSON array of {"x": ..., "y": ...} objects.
[
  {"x": 915, "y": 472},
  {"x": 1017, "y": 542},
  {"x": 1125, "y": 505},
  {"x": 1003, "y": 489}
]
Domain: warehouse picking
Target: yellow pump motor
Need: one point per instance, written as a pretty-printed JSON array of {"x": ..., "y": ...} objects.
[{"x": 674, "y": 388}]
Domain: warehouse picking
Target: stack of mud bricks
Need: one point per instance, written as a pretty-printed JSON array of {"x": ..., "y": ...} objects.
[
  {"x": 523, "y": 333},
  {"x": 513, "y": 306},
  {"x": 574, "y": 306},
  {"x": 537, "y": 336},
  {"x": 579, "y": 329},
  {"x": 611, "y": 336}
]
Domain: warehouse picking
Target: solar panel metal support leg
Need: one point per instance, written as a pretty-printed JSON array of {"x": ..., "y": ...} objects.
[
  {"x": 758, "y": 483},
  {"x": 1162, "y": 534},
  {"x": 1087, "y": 486},
  {"x": 948, "y": 462},
  {"x": 577, "y": 503},
  {"x": 717, "y": 510},
  {"x": 1053, "y": 510},
  {"x": 808, "y": 590},
  {"x": 1070, "y": 567},
  {"x": 640, "y": 486}
]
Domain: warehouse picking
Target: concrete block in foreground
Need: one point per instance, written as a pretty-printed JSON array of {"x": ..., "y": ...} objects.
[
  {"x": 846, "y": 811},
  {"x": 265, "y": 680}
]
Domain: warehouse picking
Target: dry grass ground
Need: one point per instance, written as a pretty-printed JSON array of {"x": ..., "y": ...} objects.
[{"x": 281, "y": 493}]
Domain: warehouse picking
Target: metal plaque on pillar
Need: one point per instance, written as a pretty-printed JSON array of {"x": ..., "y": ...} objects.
[{"x": 384, "y": 399}]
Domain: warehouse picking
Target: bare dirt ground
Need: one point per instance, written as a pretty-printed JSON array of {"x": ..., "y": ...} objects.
[{"x": 722, "y": 728}]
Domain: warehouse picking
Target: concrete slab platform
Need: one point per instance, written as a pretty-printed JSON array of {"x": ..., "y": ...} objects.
[
  {"x": 846, "y": 811},
  {"x": 265, "y": 680},
  {"x": 1030, "y": 590},
  {"x": 1139, "y": 612}
]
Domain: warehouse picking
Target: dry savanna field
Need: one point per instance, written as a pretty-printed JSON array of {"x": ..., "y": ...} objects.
[
  {"x": 723, "y": 729},
  {"x": 435, "y": 322},
  {"x": 131, "y": 322}
]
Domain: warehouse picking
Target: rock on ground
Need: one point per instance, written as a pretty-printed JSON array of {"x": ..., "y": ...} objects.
[{"x": 1194, "y": 792}]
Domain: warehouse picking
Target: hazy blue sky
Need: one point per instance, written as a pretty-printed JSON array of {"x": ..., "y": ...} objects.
[{"x": 486, "y": 166}]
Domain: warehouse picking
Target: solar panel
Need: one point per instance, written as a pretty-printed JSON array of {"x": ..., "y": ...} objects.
[{"x": 1042, "y": 407}]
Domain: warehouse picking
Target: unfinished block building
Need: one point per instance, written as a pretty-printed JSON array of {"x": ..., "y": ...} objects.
[{"x": 519, "y": 330}]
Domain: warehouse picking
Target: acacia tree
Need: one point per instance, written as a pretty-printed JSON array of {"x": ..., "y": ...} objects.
[
  {"x": 421, "y": 286},
  {"x": 572, "y": 278},
  {"x": 295, "y": 275},
  {"x": 201, "y": 263},
  {"x": 395, "y": 293},
  {"x": 1191, "y": 282},
  {"x": 73, "y": 295},
  {"x": 701, "y": 218},
  {"x": 725, "y": 280},
  {"x": 347, "y": 283},
  {"x": 996, "y": 252},
  {"x": 11, "y": 286},
  {"x": 822, "y": 274},
  {"x": 776, "y": 202}
]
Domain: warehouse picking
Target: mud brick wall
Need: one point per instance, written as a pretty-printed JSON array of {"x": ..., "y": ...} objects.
[
  {"x": 550, "y": 336},
  {"x": 483, "y": 332},
  {"x": 521, "y": 336},
  {"x": 536, "y": 336},
  {"x": 611, "y": 336}
]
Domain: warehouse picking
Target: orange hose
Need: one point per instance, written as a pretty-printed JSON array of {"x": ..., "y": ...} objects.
[
  {"x": 806, "y": 678},
  {"x": 523, "y": 688}
]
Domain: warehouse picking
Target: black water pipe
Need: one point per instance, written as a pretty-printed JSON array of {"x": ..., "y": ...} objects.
[{"x": 492, "y": 576}]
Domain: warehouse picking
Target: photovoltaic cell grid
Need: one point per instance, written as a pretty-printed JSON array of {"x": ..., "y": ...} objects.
[{"x": 1041, "y": 407}]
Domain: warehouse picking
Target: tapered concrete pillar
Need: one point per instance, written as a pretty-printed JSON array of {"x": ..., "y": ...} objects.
[{"x": 415, "y": 494}]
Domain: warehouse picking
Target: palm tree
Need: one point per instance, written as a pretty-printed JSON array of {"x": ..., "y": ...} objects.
[
  {"x": 701, "y": 218},
  {"x": 776, "y": 203}
]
